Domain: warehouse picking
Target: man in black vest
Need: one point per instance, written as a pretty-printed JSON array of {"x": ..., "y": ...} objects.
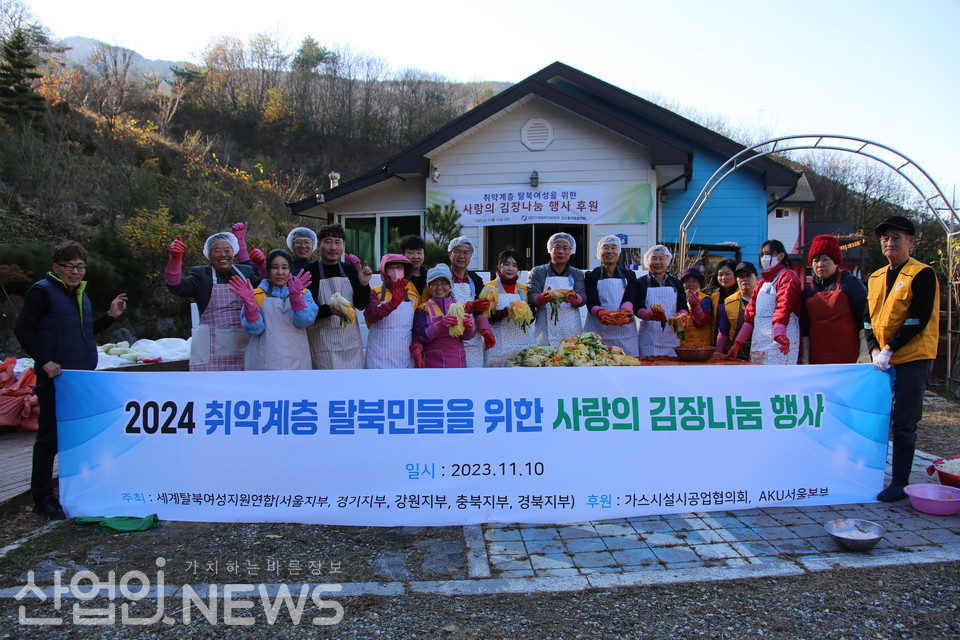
[{"x": 56, "y": 329}]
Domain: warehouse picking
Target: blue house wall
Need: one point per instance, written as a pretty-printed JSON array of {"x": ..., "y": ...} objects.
[{"x": 736, "y": 212}]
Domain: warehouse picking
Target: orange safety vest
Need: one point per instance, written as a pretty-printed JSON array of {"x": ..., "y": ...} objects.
[{"x": 888, "y": 314}]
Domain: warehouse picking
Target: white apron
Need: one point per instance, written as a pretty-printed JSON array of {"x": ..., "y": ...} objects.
[
  {"x": 464, "y": 292},
  {"x": 568, "y": 323},
  {"x": 657, "y": 338},
  {"x": 333, "y": 346},
  {"x": 388, "y": 341},
  {"x": 219, "y": 341},
  {"x": 763, "y": 349},
  {"x": 282, "y": 345},
  {"x": 510, "y": 337},
  {"x": 611, "y": 297}
]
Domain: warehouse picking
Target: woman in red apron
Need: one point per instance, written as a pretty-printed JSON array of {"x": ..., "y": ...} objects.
[
  {"x": 833, "y": 305},
  {"x": 218, "y": 341}
]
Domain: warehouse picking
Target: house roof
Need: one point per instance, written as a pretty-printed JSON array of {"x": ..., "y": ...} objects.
[
  {"x": 598, "y": 101},
  {"x": 803, "y": 195}
]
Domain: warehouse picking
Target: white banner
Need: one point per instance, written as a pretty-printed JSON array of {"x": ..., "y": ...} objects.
[
  {"x": 556, "y": 204},
  {"x": 435, "y": 447}
]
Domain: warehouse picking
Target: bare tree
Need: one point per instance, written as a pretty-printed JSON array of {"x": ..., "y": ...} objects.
[{"x": 113, "y": 83}]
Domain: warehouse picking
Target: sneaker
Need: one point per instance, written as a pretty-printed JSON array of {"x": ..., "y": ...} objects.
[
  {"x": 50, "y": 508},
  {"x": 892, "y": 493}
]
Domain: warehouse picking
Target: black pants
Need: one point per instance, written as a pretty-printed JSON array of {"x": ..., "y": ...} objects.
[
  {"x": 45, "y": 448},
  {"x": 909, "y": 384}
]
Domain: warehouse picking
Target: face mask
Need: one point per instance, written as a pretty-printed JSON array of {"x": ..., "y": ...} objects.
[
  {"x": 768, "y": 262},
  {"x": 395, "y": 274}
]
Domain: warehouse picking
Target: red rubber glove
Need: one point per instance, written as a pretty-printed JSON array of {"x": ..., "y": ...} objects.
[
  {"x": 468, "y": 324},
  {"x": 573, "y": 298},
  {"x": 258, "y": 259},
  {"x": 175, "y": 261},
  {"x": 416, "y": 350},
  {"x": 244, "y": 290},
  {"x": 734, "y": 351},
  {"x": 780, "y": 337},
  {"x": 353, "y": 260},
  {"x": 398, "y": 291},
  {"x": 541, "y": 299},
  {"x": 489, "y": 340},
  {"x": 480, "y": 305},
  {"x": 447, "y": 321}
]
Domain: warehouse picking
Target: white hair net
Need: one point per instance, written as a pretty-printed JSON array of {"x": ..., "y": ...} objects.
[
  {"x": 657, "y": 248},
  {"x": 562, "y": 236},
  {"x": 301, "y": 232},
  {"x": 440, "y": 271},
  {"x": 224, "y": 236},
  {"x": 614, "y": 240},
  {"x": 461, "y": 241}
]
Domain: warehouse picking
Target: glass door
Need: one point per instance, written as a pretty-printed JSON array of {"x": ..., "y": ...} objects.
[{"x": 361, "y": 238}]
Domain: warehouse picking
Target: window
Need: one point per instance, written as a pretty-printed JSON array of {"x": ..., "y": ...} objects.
[{"x": 783, "y": 213}]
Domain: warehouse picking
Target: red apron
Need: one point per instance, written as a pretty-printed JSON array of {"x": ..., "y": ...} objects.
[{"x": 833, "y": 333}]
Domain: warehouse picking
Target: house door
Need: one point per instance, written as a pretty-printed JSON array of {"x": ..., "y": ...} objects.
[{"x": 531, "y": 241}]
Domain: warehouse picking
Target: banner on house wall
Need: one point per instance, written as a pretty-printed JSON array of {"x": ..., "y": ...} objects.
[
  {"x": 556, "y": 204},
  {"x": 435, "y": 447}
]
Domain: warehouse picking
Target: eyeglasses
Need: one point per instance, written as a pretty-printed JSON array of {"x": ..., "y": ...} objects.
[
  {"x": 466, "y": 252},
  {"x": 76, "y": 268}
]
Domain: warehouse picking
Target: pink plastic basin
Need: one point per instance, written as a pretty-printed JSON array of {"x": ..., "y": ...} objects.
[{"x": 934, "y": 498}]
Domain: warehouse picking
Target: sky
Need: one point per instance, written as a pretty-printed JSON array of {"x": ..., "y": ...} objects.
[{"x": 882, "y": 70}]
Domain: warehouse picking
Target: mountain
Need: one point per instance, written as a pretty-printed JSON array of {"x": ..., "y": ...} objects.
[{"x": 79, "y": 50}]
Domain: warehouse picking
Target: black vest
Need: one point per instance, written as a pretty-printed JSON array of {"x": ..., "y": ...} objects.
[{"x": 65, "y": 336}]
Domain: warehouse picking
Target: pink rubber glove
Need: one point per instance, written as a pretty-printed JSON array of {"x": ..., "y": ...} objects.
[
  {"x": 746, "y": 331},
  {"x": 297, "y": 284},
  {"x": 723, "y": 341},
  {"x": 574, "y": 299},
  {"x": 175, "y": 261},
  {"x": 258, "y": 259},
  {"x": 441, "y": 327},
  {"x": 644, "y": 314},
  {"x": 353, "y": 260},
  {"x": 416, "y": 350},
  {"x": 627, "y": 305},
  {"x": 697, "y": 311},
  {"x": 596, "y": 311},
  {"x": 239, "y": 229},
  {"x": 468, "y": 324},
  {"x": 541, "y": 299},
  {"x": 780, "y": 337},
  {"x": 244, "y": 290}
]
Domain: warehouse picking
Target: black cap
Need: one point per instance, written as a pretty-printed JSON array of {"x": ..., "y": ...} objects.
[
  {"x": 896, "y": 222},
  {"x": 745, "y": 266}
]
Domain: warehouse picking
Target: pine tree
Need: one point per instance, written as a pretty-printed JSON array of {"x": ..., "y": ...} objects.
[{"x": 20, "y": 102}]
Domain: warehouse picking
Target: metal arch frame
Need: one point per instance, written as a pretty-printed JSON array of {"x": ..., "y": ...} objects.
[{"x": 860, "y": 146}]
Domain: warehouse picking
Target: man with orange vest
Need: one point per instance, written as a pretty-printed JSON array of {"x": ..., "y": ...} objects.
[{"x": 901, "y": 323}]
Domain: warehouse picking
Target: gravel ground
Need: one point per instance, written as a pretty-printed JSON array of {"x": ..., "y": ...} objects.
[{"x": 919, "y": 601}]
